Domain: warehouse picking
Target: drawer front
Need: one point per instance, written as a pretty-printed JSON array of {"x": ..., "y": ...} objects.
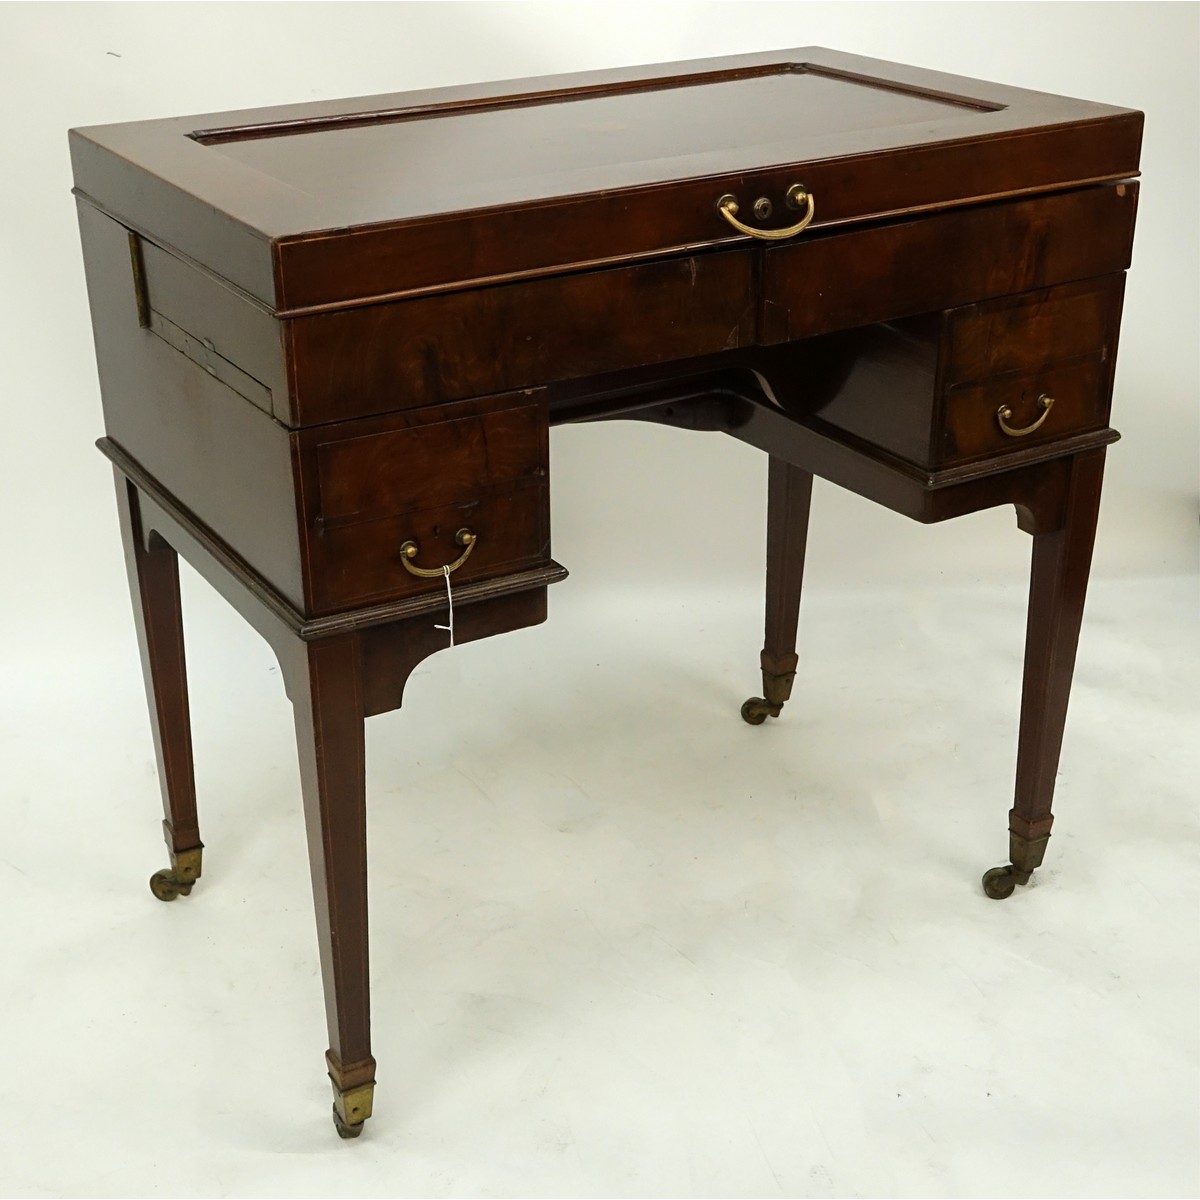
[
  {"x": 975, "y": 414},
  {"x": 1032, "y": 332},
  {"x": 847, "y": 280},
  {"x": 430, "y": 463},
  {"x": 432, "y": 349},
  {"x": 371, "y": 487},
  {"x": 362, "y": 563}
]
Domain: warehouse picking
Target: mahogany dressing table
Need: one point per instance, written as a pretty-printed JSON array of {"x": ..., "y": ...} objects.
[{"x": 332, "y": 339}]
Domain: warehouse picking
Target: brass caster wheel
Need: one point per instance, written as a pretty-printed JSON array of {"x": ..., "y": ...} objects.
[
  {"x": 1000, "y": 882},
  {"x": 344, "y": 1130},
  {"x": 167, "y": 886},
  {"x": 756, "y": 710}
]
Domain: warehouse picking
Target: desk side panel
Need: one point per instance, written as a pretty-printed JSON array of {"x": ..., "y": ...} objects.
[
  {"x": 225, "y": 325},
  {"x": 225, "y": 460}
]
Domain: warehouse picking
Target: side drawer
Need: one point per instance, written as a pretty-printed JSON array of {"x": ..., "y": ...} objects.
[
  {"x": 1030, "y": 332},
  {"x": 975, "y": 414},
  {"x": 943, "y": 388},
  {"x": 455, "y": 345},
  {"x": 369, "y": 487}
]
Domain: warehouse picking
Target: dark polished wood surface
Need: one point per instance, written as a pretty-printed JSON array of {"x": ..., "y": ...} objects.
[
  {"x": 590, "y": 168},
  {"x": 524, "y": 334},
  {"x": 332, "y": 339}
]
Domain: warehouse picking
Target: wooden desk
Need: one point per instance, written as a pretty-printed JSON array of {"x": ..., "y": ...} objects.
[{"x": 332, "y": 339}]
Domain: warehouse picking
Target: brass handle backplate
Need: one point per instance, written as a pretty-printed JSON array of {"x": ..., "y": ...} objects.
[
  {"x": 410, "y": 550},
  {"x": 798, "y": 196},
  {"x": 1004, "y": 415}
]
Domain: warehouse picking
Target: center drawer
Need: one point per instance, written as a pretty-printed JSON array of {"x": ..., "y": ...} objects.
[{"x": 421, "y": 490}]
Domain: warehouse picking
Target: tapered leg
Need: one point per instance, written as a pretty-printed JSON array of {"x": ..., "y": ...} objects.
[
  {"x": 789, "y": 493},
  {"x": 327, "y": 697},
  {"x": 1062, "y": 560},
  {"x": 154, "y": 584}
]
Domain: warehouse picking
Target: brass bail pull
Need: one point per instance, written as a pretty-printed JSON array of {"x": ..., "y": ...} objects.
[
  {"x": 410, "y": 550},
  {"x": 798, "y": 196},
  {"x": 1004, "y": 415}
]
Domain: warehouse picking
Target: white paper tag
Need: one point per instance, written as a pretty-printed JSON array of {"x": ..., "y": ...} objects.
[{"x": 450, "y": 604}]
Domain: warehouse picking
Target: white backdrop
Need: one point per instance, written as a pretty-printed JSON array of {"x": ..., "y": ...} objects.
[{"x": 638, "y": 513}]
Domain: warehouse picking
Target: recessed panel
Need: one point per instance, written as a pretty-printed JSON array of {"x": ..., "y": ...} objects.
[{"x": 553, "y": 135}]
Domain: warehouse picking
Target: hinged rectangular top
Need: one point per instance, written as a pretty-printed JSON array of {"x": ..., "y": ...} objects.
[{"x": 323, "y": 204}]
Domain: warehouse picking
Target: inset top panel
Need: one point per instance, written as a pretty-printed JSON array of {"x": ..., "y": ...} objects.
[{"x": 639, "y": 133}]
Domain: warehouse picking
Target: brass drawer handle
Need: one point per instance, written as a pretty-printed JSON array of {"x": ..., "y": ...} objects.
[
  {"x": 797, "y": 196},
  {"x": 1004, "y": 415},
  {"x": 410, "y": 550}
]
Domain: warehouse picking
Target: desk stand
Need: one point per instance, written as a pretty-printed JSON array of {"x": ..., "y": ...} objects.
[{"x": 336, "y": 677}]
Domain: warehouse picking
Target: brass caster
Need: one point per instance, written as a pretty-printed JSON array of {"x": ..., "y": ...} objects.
[
  {"x": 1000, "y": 882},
  {"x": 351, "y": 1106},
  {"x": 344, "y": 1130},
  {"x": 756, "y": 710},
  {"x": 166, "y": 885},
  {"x": 183, "y": 873}
]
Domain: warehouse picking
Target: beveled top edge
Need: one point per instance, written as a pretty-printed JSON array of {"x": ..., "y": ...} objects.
[
  {"x": 359, "y": 116},
  {"x": 918, "y": 80}
]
